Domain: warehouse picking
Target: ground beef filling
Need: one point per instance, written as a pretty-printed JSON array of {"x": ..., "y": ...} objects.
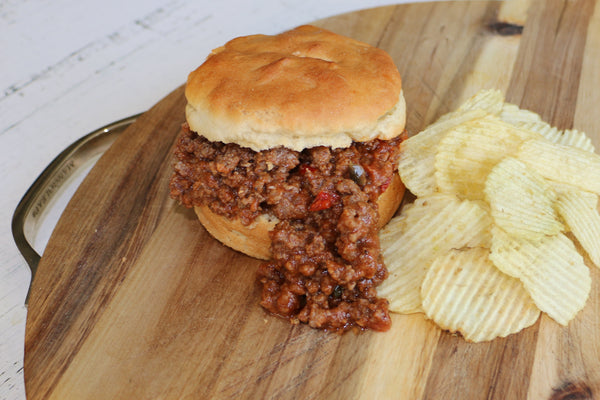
[{"x": 326, "y": 261}]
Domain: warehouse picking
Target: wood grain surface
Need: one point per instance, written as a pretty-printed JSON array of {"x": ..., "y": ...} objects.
[{"x": 134, "y": 300}]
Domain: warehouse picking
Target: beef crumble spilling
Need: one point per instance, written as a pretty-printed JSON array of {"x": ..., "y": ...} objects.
[{"x": 326, "y": 259}]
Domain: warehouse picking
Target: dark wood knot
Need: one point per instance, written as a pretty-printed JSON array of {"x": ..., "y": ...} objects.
[
  {"x": 505, "y": 28},
  {"x": 572, "y": 391}
]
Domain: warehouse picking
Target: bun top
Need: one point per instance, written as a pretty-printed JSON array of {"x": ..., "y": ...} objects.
[{"x": 302, "y": 88}]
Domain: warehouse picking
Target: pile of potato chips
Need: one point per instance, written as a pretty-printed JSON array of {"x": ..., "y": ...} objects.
[{"x": 486, "y": 246}]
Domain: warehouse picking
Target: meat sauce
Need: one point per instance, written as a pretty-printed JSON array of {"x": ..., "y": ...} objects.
[{"x": 326, "y": 259}]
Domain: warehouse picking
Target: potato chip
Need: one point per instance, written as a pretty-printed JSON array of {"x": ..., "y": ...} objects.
[
  {"x": 464, "y": 292},
  {"x": 489, "y": 100},
  {"x": 579, "y": 211},
  {"x": 467, "y": 153},
  {"x": 529, "y": 120},
  {"x": 506, "y": 255},
  {"x": 483, "y": 248},
  {"x": 431, "y": 226},
  {"x": 562, "y": 163},
  {"x": 569, "y": 137},
  {"x": 416, "y": 165},
  {"x": 575, "y": 138},
  {"x": 551, "y": 269},
  {"x": 521, "y": 201},
  {"x": 590, "y": 199},
  {"x": 514, "y": 115},
  {"x": 544, "y": 129}
]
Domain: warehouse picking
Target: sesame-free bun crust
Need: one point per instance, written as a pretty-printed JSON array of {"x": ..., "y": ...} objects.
[
  {"x": 254, "y": 241},
  {"x": 302, "y": 88}
]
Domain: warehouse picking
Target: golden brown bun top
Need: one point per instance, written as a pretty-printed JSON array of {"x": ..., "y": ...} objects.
[{"x": 302, "y": 88}]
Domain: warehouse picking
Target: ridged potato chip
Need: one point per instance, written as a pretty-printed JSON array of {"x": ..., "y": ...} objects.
[
  {"x": 430, "y": 226},
  {"x": 575, "y": 138},
  {"x": 467, "y": 153},
  {"x": 551, "y": 133},
  {"x": 521, "y": 201},
  {"x": 590, "y": 199},
  {"x": 514, "y": 115},
  {"x": 569, "y": 137},
  {"x": 416, "y": 166},
  {"x": 566, "y": 164},
  {"x": 497, "y": 189},
  {"x": 464, "y": 292},
  {"x": 529, "y": 120},
  {"x": 579, "y": 211},
  {"x": 490, "y": 100},
  {"x": 551, "y": 269}
]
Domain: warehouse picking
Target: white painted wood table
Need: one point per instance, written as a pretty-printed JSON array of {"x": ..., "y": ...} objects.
[{"x": 68, "y": 67}]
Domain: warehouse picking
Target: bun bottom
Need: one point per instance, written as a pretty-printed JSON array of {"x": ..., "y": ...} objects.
[{"x": 254, "y": 241}]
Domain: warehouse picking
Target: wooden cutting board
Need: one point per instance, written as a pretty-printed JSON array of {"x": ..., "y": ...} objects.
[{"x": 134, "y": 300}]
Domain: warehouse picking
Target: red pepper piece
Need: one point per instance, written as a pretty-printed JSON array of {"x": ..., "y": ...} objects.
[
  {"x": 304, "y": 168},
  {"x": 324, "y": 200}
]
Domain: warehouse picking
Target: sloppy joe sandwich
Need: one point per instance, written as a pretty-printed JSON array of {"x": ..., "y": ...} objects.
[{"x": 289, "y": 154}]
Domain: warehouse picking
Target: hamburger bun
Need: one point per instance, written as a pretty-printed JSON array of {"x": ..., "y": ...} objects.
[
  {"x": 254, "y": 241},
  {"x": 303, "y": 88},
  {"x": 299, "y": 89}
]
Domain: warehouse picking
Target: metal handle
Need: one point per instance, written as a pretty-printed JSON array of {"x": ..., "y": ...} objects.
[{"x": 27, "y": 215}]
